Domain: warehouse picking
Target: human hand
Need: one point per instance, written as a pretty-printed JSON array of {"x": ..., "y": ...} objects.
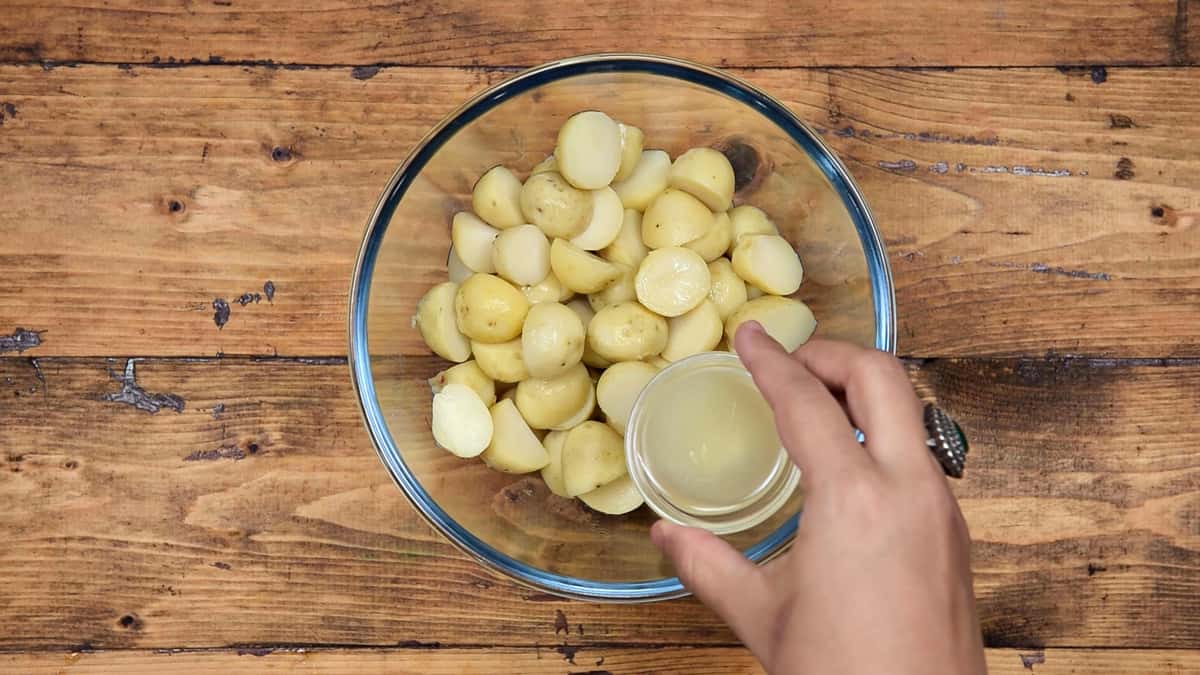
[{"x": 878, "y": 578}]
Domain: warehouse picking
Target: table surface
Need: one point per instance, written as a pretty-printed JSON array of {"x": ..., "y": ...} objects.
[{"x": 178, "y": 496}]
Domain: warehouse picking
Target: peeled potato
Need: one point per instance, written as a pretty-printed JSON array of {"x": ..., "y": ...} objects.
[
  {"x": 753, "y": 292},
  {"x": 522, "y": 255},
  {"x": 605, "y": 223},
  {"x": 583, "y": 414},
  {"x": 497, "y": 198},
  {"x": 554, "y": 205},
  {"x": 628, "y": 248},
  {"x": 694, "y": 332},
  {"x": 672, "y": 281},
  {"x": 589, "y": 150},
  {"x": 438, "y": 324},
  {"x": 789, "y": 321},
  {"x": 618, "y": 389},
  {"x": 545, "y": 166},
  {"x": 472, "y": 239},
  {"x": 501, "y": 361},
  {"x": 626, "y": 331},
  {"x": 617, "y": 498},
  {"x": 490, "y": 309},
  {"x": 747, "y": 219},
  {"x": 769, "y": 263},
  {"x": 552, "y": 472},
  {"x": 674, "y": 218},
  {"x": 470, "y": 374},
  {"x": 579, "y": 270},
  {"x": 621, "y": 290},
  {"x": 551, "y": 340},
  {"x": 593, "y": 455},
  {"x": 456, "y": 270},
  {"x": 705, "y": 174},
  {"x": 514, "y": 447},
  {"x": 649, "y": 178},
  {"x": 583, "y": 310},
  {"x": 716, "y": 241},
  {"x": 631, "y": 150},
  {"x": 728, "y": 291},
  {"x": 547, "y": 403},
  {"x": 461, "y": 422},
  {"x": 549, "y": 289}
]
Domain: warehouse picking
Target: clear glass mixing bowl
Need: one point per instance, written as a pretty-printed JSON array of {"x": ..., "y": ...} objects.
[{"x": 513, "y": 524}]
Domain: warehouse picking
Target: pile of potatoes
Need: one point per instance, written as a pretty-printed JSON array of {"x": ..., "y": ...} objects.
[{"x": 609, "y": 262}]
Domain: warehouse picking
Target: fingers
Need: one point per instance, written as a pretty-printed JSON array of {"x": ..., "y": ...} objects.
[{"x": 811, "y": 423}]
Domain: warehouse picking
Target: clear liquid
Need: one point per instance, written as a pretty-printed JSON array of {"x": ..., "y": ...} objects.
[{"x": 710, "y": 444}]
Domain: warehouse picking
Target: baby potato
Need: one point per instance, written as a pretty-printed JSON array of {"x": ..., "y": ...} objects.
[
  {"x": 472, "y": 239},
  {"x": 696, "y": 331},
  {"x": 649, "y": 178},
  {"x": 628, "y": 248},
  {"x": 470, "y": 374},
  {"x": 580, "y": 416},
  {"x": 621, "y": 290},
  {"x": 456, "y": 270},
  {"x": 674, "y": 218},
  {"x": 769, "y": 263},
  {"x": 605, "y": 223},
  {"x": 522, "y": 255},
  {"x": 461, "y": 422},
  {"x": 789, "y": 321},
  {"x": 503, "y": 361},
  {"x": 583, "y": 310},
  {"x": 705, "y": 174},
  {"x": 549, "y": 289},
  {"x": 490, "y": 309},
  {"x": 592, "y": 455},
  {"x": 626, "y": 331},
  {"x": 552, "y": 472},
  {"x": 672, "y": 281},
  {"x": 554, "y": 205},
  {"x": 436, "y": 319},
  {"x": 728, "y": 291},
  {"x": 617, "y": 498},
  {"x": 631, "y": 150},
  {"x": 753, "y": 292},
  {"x": 716, "y": 241},
  {"x": 589, "y": 150},
  {"x": 551, "y": 340},
  {"x": 579, "y": 270},
  {"x": 657, "y": 361},
  {"x": 545, "y": 166},
  {"x": 618, "y": 389},
  {"x": 747, "y": 219},
  {"x": 514, "y": 447},
  {"x": 497, "y": 198},
  {"x": 547, "y": 403}
]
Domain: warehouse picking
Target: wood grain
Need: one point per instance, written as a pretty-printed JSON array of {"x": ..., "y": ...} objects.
[
  {"x": 260, "y": 514},
  {"x": 546, "y": 661},
  {"x": 1025, "y": 210}
]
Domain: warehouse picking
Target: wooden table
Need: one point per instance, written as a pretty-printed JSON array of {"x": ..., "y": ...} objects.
[{"x": 179, "y": 496}]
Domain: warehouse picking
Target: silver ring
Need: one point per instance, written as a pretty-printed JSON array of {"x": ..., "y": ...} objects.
[{"x": 946, "y": 441}]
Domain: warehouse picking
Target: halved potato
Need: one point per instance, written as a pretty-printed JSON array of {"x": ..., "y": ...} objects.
[
  {"x": 728, "y": 291},
  {"x": 694, "y": 332},
  {"x": 657, "y": 361},
  {"x": 489, "y": 309},
  {"x": 672, "y": 281},
  {"x": 461, "y": 422},
  {"x": 747, "y": 219},
  {"x": 554, "y": 205},
  {"x": 631, "y": 150},
  {"x": 589, "y": 150},
  {"x": 628, "y": 248},
  {"x": 621, "y": 290},
  {"x": 514, "y": 447},
  {"x": 593, "y": 455},
  {"x": 579, "y": 270},
  {"x": 470, "y": 374},
  {"x": 605, "y": 223},
  {"x": 753, "y": 292},
  {"x": 768, "y": 262},
  {"x": 456, "y": 270},
  {"x": 436, "y": 319},
  {"x": 547, "y": 403},
  {"x": 552, "y": 339},
  {"x": 582, "y": 415},
  {"x": 617, "y": 498},
  {"x": 716, "y": 241},
  {"x": 497, "y": 198},
  {"x": 501, "y": 361},
  {"x": 552, "y": 472},
  {"x": 626, "y": 331},
  {"x": 547, "y": 165},
  {"x": 618, "y": 389},
  {"x": 472, "y": 239},
  {"x": 521, "y": 255},
  {"x": 705, "y": 174},
  {"x": 549, "y": 289},
  {"x": 789, "y": 321},
  {"x": 649, "y": 178},
  {"x": 675, "y": 218}
]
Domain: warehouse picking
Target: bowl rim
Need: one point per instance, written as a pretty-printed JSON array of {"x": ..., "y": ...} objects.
[{"x": 781, "y": 116}]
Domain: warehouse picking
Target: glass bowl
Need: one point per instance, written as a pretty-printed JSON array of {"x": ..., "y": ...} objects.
[{"x": 513, "y": 524}]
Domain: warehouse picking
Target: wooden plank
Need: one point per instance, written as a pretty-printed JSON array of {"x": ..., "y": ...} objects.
[
  {"x": 856, "y": 32},
  {"x": 1025, "y": 210},
  {"x": 260, "y": 514},
  {"x": 546, "y": 661}
]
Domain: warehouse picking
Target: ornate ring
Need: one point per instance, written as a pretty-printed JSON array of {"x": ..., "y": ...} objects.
[{"x": 946, "y": 441}]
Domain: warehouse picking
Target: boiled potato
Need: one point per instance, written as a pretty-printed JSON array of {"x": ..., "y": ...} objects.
[
  {"x": 497, "y": 198},
  {"x": 554, "y": 205},
  {"x": 579, "y": 270},
  {"x": 789, "y": 321},
  {"x": 705, "y": 174},
  {"x": 472, "y": 239},
  {"x": 436, "y": 319},
  {"x": 657, "y": 361},
  {"x": 549, "y": 289},
  {"x": 672, "y": 281},
  {"x": 716, "y": 241},
  {"x": 503, "y": 362},
  {"x": 621, "y": 290},
  {"x": 694, "y": 332},
  {"x": 547, "y": 403},
  {"x": 552, "y": 472},
  {"x": 547, "y": 165},
  {"x": 649, "y": 178},
  {"x": 582, "y": 415},
  {"x": 618, "y": 389},
  {"x": 728, "y": 291},
  {"x": 753, "y": 292},
  {"x": 490, "y": 309},
  {"x": 514, "y": 447},
  {"x": 626, "y": 331},
  {"x": 583, "y": 310},
  {"x": 470, "y": 374},
  {"x": 674, "y": 218},
  {"x": 628, "y": 248},
  {"x": 769, "y": 263},
  {"x": 617, "y": 498},
  {"x": 592, "y": 455},
  {"x": 631, "y": 150},
  {"x": 589, "y": 150},
  {"x": 747, "y": 219},
  {"x": 552, "y": 339},
  {"x": 456, "y": 270},
  {"x": 605, "y": 223},
  {"x": 522, "y": 255},
  {"x": 461, "y": 422}
]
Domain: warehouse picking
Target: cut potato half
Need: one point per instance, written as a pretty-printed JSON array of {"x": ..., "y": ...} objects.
[
  {"x": 514, "y": 447},
  {"x": 593, "y": 455},
  {"x": 617, "y": 498},
  {"x": 461, "y": 422},
  {"x": 438, "y": 323}
]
